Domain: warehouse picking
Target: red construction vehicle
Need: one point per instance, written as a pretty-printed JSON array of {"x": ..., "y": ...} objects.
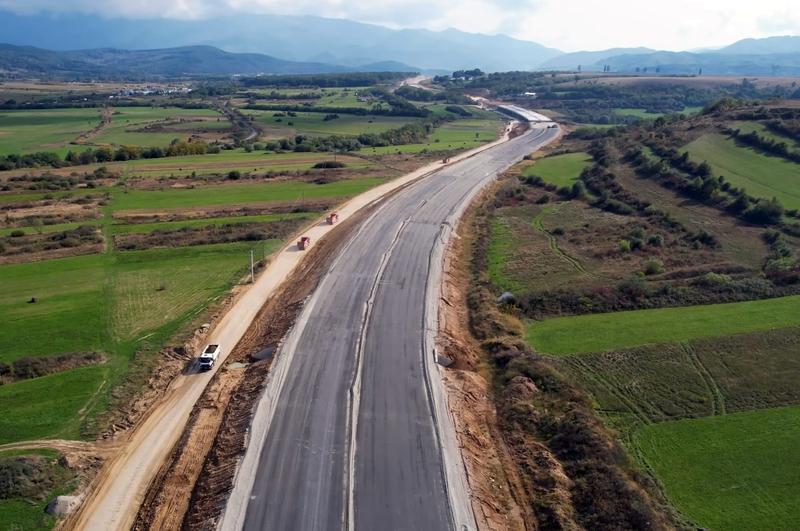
[
  {"x": 333, "y": 217},
  {"x": 303, "y": 242}
]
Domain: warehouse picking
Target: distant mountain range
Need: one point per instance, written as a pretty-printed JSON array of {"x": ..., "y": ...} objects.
[
  {"x": 185, "y": 61},
  {"x": 720, "y": 64},
  {"x": 292, "y": 38},
  {"x": 573, "y": 60},
  {"x": 273, "y": 44}
]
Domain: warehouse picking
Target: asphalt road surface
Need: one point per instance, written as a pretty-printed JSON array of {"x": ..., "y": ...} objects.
[{"x": 352, "y": 441}]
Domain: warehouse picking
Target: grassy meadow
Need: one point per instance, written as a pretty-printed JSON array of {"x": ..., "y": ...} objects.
[
  {"x": 760, "y": 175},
  {"x": 645, "y": 115},
  {"x": 560, "y": 170},
  {"x": 611, "y": 331},
  {"x": 731, "y": 472},
  {"x": 117, "y": 303},
  {"x": 761, "y": 129},
  {"x": 457, "y": 135},
  {"x": 139, "y": 228},
  {"x": 240, "y": 194},
  {"x": 44, "y": 130},
  {"x": 315, "y": 124},
  {"x": 128, "y": 123}
]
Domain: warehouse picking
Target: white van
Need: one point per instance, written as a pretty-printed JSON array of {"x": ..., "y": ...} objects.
[{"x": 209, "y": 357}]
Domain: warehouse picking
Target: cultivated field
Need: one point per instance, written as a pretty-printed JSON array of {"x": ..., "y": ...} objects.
[
  {"x": 44, "y": 130},
  {"x": 277, "y": 124},
  {"x": 733, "y": 472},
  {"x": 452, "y": 136},
  {"x": 760, "y": 175},
  {"x": 560, "y": 170},
  {"x": 645, "y": 115},
  {"x": 613, "y": 331},
  {"x": 158, "y": 126}
]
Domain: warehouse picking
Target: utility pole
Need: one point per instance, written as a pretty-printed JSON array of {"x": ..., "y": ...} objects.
[{"x": 252, "y": 269}]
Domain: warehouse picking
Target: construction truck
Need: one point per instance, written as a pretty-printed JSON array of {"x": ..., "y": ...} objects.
[
  {"x": 303, "y": 243},
  {"x": 332, "y": 218},
  {"x": 209, "y": 357}
]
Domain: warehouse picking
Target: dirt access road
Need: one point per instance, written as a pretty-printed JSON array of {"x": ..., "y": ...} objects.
[{"x": 120, "y": 487}]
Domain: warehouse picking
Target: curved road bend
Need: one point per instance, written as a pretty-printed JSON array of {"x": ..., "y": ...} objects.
[{"x": 351, "y": 439}]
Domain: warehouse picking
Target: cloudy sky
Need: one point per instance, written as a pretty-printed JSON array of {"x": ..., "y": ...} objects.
[{"x": 566, "y": 24}]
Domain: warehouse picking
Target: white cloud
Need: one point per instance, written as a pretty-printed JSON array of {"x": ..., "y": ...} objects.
[
  {"x": 671, "y": 25},
  {"x": 566, "y": 24}
]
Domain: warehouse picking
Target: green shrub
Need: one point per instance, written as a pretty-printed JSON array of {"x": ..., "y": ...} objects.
[{"x": 653, "y": 267}]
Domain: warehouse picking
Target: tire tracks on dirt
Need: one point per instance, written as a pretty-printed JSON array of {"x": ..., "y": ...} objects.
[{"x": 553, "y": 242}]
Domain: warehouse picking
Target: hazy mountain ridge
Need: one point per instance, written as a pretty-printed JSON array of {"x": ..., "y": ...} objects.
[
  {"x": 166, "y": 62},
  {"x": 307, "y": 44},
  {"x": 767, "y": 45},
  {"x": 292, "y": 38},
  {"x": 729, "y": 64},
  {"x": 571, "y": 61}
]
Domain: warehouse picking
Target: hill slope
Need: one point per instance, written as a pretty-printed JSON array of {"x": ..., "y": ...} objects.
[
  {"x": 769, "y": 45},
  {"x": 167, "y": 62}
]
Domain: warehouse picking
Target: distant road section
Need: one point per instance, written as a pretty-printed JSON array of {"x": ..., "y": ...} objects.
[
  {"x": 353, "y": 431},
  {"x": 526, "y": 115}
]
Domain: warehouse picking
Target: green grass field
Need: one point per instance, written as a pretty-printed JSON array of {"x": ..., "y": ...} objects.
[
  {"x": 644, "y": 115},
  {"x": 500, "y": 245},
  {"x": 761, "y": 129},
  {"x": 222, "y": 163},
  {"x": 116, "y": 303},
  {"x": 561, "y": 170},
  {"x": 456, "y": 135},
  {"x": 697, "y": 378},
  {"x": 240, "y": 194},
  {"x": 330, "y": 97},
  {"x": 69, "y": 292},
  {"x": 127, "y": 120},
  {"x": 610, "y": 331},
  {"x": 733, "y": 472},
  {"x": 760, "y": 175},
  {"x": 142, "y": 228},
  {"x": 314, "y": 124},
  {"x": 44, "y": 130},
  {"x": 49, "y": 406}
]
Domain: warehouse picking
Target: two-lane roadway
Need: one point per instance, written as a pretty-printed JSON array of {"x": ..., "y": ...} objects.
[{"x": 347, "y": 435}]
